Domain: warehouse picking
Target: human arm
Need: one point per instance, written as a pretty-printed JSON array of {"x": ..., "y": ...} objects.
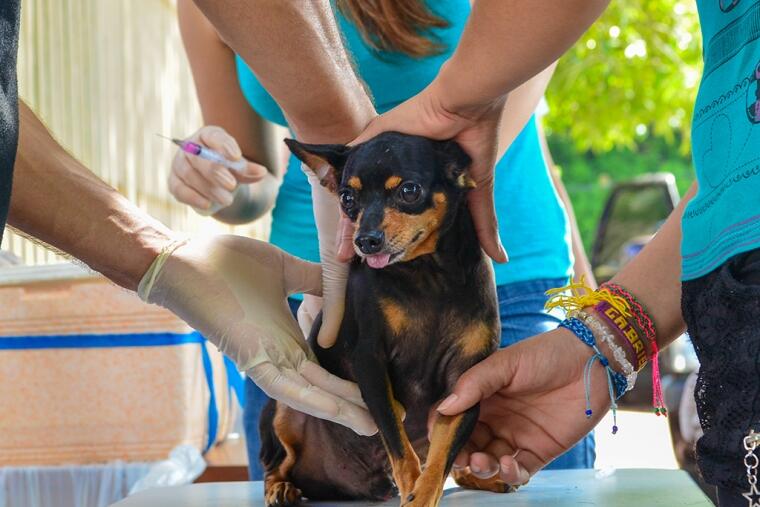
[
  {"x": 57, "y": 200},
  {"x": 532, "y": 393},
  {"x": 233, "y": 128},
  {"x": 294, "y": 48},
  {"x": 504, "y": 44}
]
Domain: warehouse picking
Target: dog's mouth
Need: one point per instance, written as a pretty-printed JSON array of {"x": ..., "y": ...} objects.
[{"x": 381, "y": 260}]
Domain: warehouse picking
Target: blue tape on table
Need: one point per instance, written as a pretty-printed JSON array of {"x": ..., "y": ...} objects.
[{"x": 92, "y": 341}]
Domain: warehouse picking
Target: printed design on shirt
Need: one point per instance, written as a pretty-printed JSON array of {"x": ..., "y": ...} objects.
[
  {"x": 732, "y": 39},
  {"x": 728, "y": 5},
  {"x": 753, "y": 99},
  {"x": 725, "y": 99}
]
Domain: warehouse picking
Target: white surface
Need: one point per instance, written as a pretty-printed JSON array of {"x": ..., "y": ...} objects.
[
  {"x": 643, "y": 441},
  {"x": 622, "y": 488},
  {"x": 68, "y": 486}
]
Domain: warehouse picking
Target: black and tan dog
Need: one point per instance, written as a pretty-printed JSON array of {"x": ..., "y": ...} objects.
[{"x": 420, "y": 310}]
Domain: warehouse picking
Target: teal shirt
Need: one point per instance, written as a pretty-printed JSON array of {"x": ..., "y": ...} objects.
[
  {"x": 723, "y": 219},
  {"x": 532, "y": 221}
]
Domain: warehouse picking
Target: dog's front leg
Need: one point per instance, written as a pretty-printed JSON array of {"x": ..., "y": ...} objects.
[
  {"x": 447, "y": 438},
  {"x": 372, "y": 377}
]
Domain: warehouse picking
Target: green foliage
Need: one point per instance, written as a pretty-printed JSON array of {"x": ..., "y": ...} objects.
[
  {"x": 589, "y": 177},
  {"x": 634, "y": 73}
]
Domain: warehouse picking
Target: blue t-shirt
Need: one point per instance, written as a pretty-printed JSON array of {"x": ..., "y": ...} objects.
[
  {"x": 723, "y": 219},
  {"x": 532, "y": 221}
]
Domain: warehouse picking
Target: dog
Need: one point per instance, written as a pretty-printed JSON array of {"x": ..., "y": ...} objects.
[{"x": 420, "y": 310}]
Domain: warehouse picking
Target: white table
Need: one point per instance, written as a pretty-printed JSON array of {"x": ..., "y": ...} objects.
[{"x": 620, "y": 488}]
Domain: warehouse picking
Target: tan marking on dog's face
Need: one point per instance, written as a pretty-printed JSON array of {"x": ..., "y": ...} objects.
[
  {"x": 416, "y": 235},
  {"x": 476, "y": 339},
  {"x": 395, "y": 315},
  {"x": 355, "y": 183},
  {"x": 392, "y": 182}
]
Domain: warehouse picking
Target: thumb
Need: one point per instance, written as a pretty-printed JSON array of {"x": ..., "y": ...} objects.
[
  {"x": 301, "y": 277},
  {"x": 376, "y": 126},
  {"x": 252, "y": 173},
  {"x": 219, "y": 140},
  {"x": 477, "y": 383},
  {"x": 481, "y": 206}
]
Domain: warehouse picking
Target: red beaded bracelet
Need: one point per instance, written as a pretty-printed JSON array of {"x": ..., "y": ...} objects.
[{"x": 646, "y": 325}]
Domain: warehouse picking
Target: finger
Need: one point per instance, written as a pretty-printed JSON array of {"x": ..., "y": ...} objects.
[
  {"x": 311, "y": 400},
  {"x": 253, "y": 173},
  {"x": 187, "y": 195},
  {"x": 483, "y": 465},
  {"x": 480, "y": 381},
  {"x": 463, "y": 456},
  {"x": 481, "y": 205},
  {"x": 332, "y": 384},
  {"x": 345, "y": 239},
  {"x": 219, "y": 140},
  {"x": 512, "y": 472},
  {"x": 190, "y": 175},
  {"x": 300, "y": 276},
  {"x": 332, "y": 318},
  {"x": 215, "y": 175}
]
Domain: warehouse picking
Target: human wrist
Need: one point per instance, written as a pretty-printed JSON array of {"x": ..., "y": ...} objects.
[{"x": 457, "y": 96}]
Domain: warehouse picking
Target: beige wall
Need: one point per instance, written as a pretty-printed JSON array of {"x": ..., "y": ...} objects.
[{"x": 107, "y": 76}]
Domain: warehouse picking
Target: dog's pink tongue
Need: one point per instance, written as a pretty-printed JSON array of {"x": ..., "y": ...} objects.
[{"x": 378, "y": 261}]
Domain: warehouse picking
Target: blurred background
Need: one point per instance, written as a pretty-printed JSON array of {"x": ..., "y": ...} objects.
[{"x": 108, "y": 75}]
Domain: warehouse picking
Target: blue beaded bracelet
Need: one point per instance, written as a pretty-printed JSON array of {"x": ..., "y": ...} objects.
[{"x": 616, "y": 381}]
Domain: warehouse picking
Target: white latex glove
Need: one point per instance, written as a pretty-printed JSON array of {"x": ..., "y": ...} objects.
[
  {"x": 204, "y": 185},
  {"x": 334, "y": 272},
  {"x": 234, "y": 291}
]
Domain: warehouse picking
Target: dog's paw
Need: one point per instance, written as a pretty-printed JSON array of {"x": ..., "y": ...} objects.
[
  {"x": 466, "y": 479},
  {"x": 426, "y": 493},
  {"x": 282, "y": 494}
]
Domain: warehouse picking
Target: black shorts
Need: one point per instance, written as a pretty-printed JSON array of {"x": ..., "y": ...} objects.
[{"x": 722, "y": 312}]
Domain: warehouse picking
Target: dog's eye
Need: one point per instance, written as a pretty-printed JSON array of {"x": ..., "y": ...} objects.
[
  {"x": 410, "y": 192},
  {"x": 347, "y": 199}
]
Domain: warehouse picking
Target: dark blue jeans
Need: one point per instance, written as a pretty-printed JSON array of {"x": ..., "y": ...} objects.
[{"x": 521, "y": 307}]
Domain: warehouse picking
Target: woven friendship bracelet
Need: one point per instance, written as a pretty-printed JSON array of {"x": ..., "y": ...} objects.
[
  {"x": 602, "y": 332},
  {"x": 615, "y": 319},
  {"x": 616, "y": 382},
  {"x": 646, "y": 326}
]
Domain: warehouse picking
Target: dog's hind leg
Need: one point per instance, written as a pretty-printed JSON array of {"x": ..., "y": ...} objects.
[
  {"x": 467, "y": 480},
  {"x": 280, "y": 442},
  {"x": 376, "y": 389}
]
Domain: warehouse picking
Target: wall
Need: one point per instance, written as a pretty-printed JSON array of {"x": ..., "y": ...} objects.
[{"x": 106, "y": 76}]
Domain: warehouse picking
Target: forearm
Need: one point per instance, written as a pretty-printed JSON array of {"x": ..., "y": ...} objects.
[
  {"x": 654, "y": 276},
  {"x": 57, "y": 200},
  {"x": 295, "y": 49},
  {"x": 506, "y": 42}
]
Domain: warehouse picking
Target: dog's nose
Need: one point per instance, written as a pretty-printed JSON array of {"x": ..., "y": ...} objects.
[{"x": 370, "y": 242}]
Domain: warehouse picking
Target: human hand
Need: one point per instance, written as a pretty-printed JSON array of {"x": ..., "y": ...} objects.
[
  {"x": 204, "y": 185},
  {"x": 475, "y": 128},
  {"x": 233, "y": 290},
  {"x": 532, "y": 405}
]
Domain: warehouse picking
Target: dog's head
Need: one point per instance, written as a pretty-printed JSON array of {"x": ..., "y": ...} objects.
[{"x": 401, "y": 191}]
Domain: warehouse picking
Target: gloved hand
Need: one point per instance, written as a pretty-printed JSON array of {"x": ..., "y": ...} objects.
[
  {"x": 334, "y": 272},
  {"x": 204, "y": 185},
  {"x": 233, "y": 290}
]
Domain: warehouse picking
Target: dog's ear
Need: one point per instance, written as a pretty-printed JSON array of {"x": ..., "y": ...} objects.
[
  {"x": 455, "y": 163},
  {"x": 325, "y": 160}
]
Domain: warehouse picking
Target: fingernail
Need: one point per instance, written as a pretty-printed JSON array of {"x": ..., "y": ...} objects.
[{"x": 447, "y": 402}]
